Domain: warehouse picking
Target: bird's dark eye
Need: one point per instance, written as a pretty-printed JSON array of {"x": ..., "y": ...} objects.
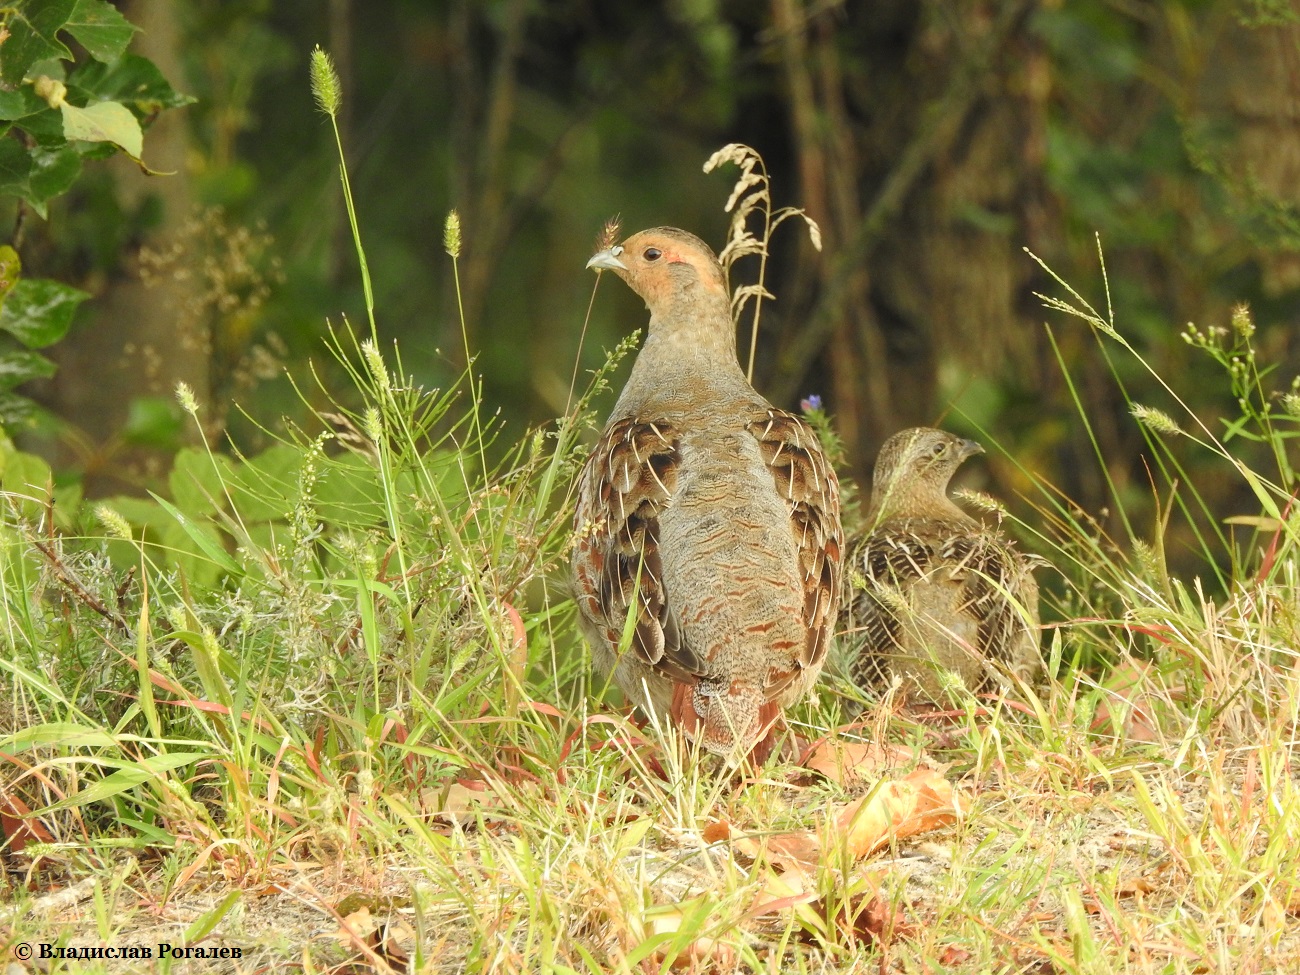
[
  {"x": 938, "y": 449},
  {"x": 652, "y": 254}
]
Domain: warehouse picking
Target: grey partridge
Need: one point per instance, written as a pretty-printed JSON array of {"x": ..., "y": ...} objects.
[
  {"x": 708, "y": 521},
  {"x": 939, "y": 592}
]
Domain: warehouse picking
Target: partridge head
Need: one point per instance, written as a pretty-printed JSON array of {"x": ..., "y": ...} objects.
[
  {"x": 913, "y": 470},
  {"x": 707, "y": 521}
]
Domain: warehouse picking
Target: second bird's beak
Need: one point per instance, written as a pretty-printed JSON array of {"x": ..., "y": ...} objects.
[
  {"x": 608, "y": 259},
  {"x": 969, "y": 448}
]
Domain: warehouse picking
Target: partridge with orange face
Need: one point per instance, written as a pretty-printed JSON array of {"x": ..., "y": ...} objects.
[
  {"x": 707, "y": 520},
  {"x": 932, "y": 593}
]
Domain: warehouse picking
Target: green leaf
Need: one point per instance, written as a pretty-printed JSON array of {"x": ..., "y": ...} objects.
[
  {"x": 15, "y": 411},
  {"x": 103, "y": 122},
  {"x": 266, "y": 487},
  {"x": 27, "y": 110},
  {"x": 27, "y": 481},
  {"x": 207, "y": 923},
  {"x": 20, "y": 102},
  {"x": 197, "y": 479},
  {"x": 32, "y": 26},
  {"x": 19, "y": 365},
  {"x": 132, "y": 80},
  {"x": 54, "y": 171},
  {"x": 153, "y": 421},
  {"x": 11, "y": 268},
  {"x": 203, "y": 536},
  {"x": 141, "y": 513},
  {"x": 100, "y": 29},
  {"x": 38, "y": 312},
  {"x": 38, "y": 174},
  {"x": 126, "y": 778},
  {"x": 16, "y": 171},
  {"x": 64, "y": 734}
]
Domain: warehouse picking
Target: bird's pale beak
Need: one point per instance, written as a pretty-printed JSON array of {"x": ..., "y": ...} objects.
[
  {"x": 608, "y": 259},
  {"x": 969, "y": 448}
]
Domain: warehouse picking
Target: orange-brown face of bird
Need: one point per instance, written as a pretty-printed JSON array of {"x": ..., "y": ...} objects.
[{"x": 663, "y": 262}]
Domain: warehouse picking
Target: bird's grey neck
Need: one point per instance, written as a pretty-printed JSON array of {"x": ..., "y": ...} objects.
[
  {"x": 694, "y": 325},
  {"x": 685, "y": 365}
]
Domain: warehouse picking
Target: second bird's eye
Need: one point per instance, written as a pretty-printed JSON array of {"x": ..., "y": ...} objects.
[{"x": 652, "y": 254}]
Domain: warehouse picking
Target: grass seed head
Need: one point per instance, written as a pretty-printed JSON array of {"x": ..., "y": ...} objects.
[
  {"x": 451, "y": 234},
  {"x": 325, "y": 86}
]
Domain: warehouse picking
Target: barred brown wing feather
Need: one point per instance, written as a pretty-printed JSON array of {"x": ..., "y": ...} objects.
[
  {"x": 806, "y": 480},
  {"x": 629, "y": 478},
  {"x": 890, "y": 559},
  {"x": 995, "y": 583}
]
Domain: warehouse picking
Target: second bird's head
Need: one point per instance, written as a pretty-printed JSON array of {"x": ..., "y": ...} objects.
[
  {"x": 921, "y": 459},
  {"x": 663, "y": 264}
]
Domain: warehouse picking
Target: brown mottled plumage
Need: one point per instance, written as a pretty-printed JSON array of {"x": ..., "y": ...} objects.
[
  {"x": 706, "y": 514},
  {"x": 936, "y": 590}
]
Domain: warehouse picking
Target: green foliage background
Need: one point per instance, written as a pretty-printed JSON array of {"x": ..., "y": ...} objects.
[{"x": 1138, "y": 125}]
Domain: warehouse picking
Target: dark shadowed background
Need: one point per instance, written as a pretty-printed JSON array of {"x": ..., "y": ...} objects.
[{"x": 932, "y": 141}]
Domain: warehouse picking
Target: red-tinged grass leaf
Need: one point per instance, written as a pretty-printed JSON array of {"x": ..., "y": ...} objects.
[
  {"x": 550, "y": 710},
  {"x": 184, "y": 877},
  {"x": 312, "y": 754},
  {"x": 516, "y": 658}
]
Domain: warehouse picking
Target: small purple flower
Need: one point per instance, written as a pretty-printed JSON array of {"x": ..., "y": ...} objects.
[{"x": 813, "y": 402}]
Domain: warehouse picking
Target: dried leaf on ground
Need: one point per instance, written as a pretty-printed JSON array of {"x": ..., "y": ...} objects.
[
  {"x": 19, "y": 826},
  {"x": 459, "y": 803},
  {"x": 866, "y": 920},
  {"x": 700, "y": 952},
  {"x": 863, "y": 917},
  {"x": 850, "y": 762},
  {"x": 787, "y": 883},
  {"x": 920, "y": 801},
  {"x": 1129, "y": 887},
  {"x": 717, "y": 831},
  {"x": 360, "y": 924}
]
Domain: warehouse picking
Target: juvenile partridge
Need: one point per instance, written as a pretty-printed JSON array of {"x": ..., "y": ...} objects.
[
  {"x": 708, "y": 521},
  {"x": 939, "y": 591}
]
